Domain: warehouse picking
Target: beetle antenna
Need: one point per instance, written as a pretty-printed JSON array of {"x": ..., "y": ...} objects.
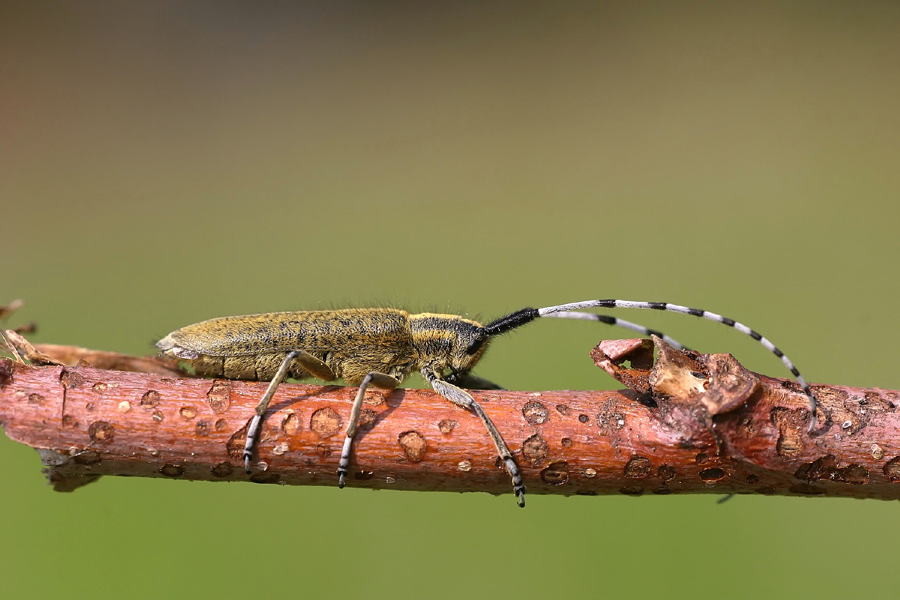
[
  {"x": 574, "y": 307},
  {"x": 527, "y": 315}
]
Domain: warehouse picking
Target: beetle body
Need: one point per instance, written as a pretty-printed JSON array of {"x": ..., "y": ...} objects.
[
  {"x": 381, "y": 346},
  {"x": 352, "y": 342}
]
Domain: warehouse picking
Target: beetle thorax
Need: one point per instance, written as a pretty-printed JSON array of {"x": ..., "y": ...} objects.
[{"x": 446, "y": 342}]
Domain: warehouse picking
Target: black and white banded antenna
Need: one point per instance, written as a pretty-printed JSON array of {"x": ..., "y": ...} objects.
[
  {"x": 573, "y": 311},
  {"x": 616, "y": 322}
]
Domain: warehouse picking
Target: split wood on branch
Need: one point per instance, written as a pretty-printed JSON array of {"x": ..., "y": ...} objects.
[{"x": 688, "y": 423}]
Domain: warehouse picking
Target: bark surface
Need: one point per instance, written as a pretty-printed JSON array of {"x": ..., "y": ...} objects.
[{"x": 689, "y": 423}]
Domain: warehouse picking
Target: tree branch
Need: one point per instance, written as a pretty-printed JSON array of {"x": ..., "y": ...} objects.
[{"x": 689, "y": 423}]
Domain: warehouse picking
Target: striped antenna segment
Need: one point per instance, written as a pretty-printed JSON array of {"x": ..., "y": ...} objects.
[
  {"x": 618, "y": 323},
  {"x": 574, "y": 307}
]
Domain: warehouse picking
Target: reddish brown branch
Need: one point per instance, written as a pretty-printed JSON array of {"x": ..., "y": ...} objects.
[{"x": 692, "y": 423}]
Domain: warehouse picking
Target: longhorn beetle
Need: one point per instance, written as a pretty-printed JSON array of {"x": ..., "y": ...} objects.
[{"x": 380, "y": 347}]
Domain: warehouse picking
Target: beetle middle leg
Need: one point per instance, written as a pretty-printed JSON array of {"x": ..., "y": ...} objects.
[
  {"x": 462, "y": 398},
  {"x": 377, "y": 379},
  {"x": 309, "y": 362}
]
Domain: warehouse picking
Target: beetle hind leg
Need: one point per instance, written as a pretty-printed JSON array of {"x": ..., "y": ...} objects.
[{"x": 309, "y": 363}]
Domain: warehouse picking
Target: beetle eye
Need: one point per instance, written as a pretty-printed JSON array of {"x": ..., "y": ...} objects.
[{"x": 475, "y": 346}]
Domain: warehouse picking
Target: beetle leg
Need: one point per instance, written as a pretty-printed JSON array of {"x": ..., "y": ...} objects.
[
  {"x": 472, "y": 382},
  {"x": 256, "y": 423},
  {"x": 315, "y": 366},
  {"x": 464, "y": 399},
  {"x": 378, "y": 380}
]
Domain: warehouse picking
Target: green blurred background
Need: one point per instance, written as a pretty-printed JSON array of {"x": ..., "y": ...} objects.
[{"x": 163, "y": 163}]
